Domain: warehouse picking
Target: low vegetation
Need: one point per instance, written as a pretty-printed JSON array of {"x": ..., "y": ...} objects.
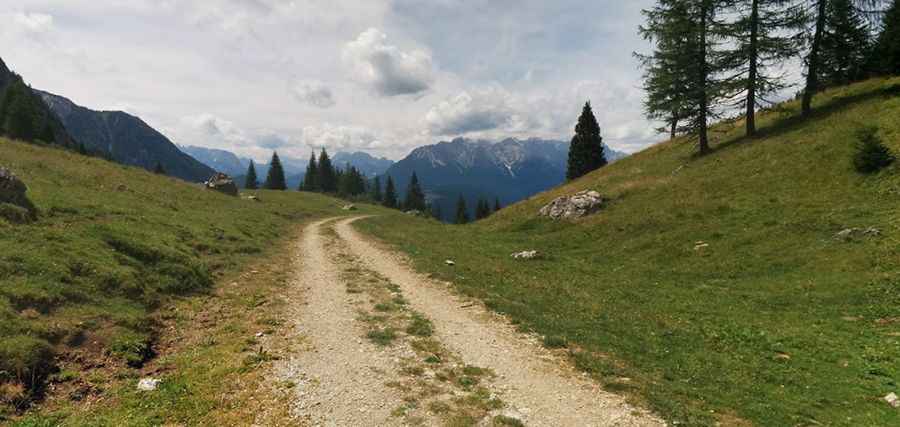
[
  {"x": 111, "y": 249},
  {"x": 712, "y": 288}
]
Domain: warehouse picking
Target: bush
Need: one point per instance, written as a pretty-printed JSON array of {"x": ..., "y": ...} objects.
[
  {"x": 871, "y": 154},
  {"x": 15, "y": 214}
]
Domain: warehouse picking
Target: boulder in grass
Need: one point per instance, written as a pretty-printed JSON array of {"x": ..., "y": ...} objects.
[
  {"x": 14, "y": 204},
  {"x": 578, "y": 205},
  {"x": 222, "y": 183}
]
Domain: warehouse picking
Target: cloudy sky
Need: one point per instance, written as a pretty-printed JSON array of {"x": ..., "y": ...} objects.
[{"x": 382, "y": 76}]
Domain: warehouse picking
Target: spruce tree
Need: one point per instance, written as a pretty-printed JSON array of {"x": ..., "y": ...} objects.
[
  {"x": 376, "y": 190},
  {"x": 482, "y": 209},
  {"x": 327, "y": 179},
  {"x": 275, "y": 180},
  {"x": 310, "y": 179},
  {"x": 586, "y": 149},
  {"x": 251, "y": 181},
  {"x": 436, "y": 212},
  {"x": 159, "y": 169},
  {"x": 390, "y": 194},
  {"x": 462, "y": 214},
  {"x": 845, "y": 44},
  {"x": 497, "y": 206},
  {"x": 887, "y": 50},
  {"x": 764, "y": 38},
  {"x": 415, "y": 197}
]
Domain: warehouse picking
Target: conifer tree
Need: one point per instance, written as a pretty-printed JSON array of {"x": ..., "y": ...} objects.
[
  {"x": 390, "y": 194},
  {"x": 251, "y": 181},
  {"x": 376, "y": 190},
  {"x": 497, "y": 206},
  {"x": 845, "y": 44},
  {"x": 436, "y": 212},
  {"x": 887, "y": 50},
  {"x": 159, "y": 169},
  {"x": 586, "y": 149},
  {"x": 694, "y": 25},
  {"x": 275, "y": 179},
  {"x": 482, "y": 209},
  {"x": 764, "y": 38},
  {"x": 415, "y": 197},
  {"x": 327, "y": 179},
  {"x": 310, "y": 182},
  {"x": 462, "y": 213}
]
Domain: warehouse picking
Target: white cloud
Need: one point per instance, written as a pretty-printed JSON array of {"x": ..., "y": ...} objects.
[
  {"x": 33, "y": 22},
  {"x": 340, "y": 138},
  {"x": 476, "y": 111},
  {"x": 387, "y": 69},
  {"x": 314, "y": 93}
]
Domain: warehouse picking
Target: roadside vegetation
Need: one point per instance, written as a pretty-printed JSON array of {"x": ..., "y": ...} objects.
[
  {"x": 757, "y": 284},
  {"x": 88, "y": 291}
]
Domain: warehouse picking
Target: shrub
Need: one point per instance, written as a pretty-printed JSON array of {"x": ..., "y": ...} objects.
[
  {"x": 15, "y": 214},
  {"x": 871, "y": 154}
]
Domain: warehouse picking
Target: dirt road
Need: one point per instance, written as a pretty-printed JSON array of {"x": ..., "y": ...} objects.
[{"x": 384, "y": 345}]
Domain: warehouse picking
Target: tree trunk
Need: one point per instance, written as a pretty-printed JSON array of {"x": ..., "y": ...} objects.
[
  {"x": 673, "y": 127},
  {"x": 702, "y": 80},
  {"x": 812, "y": 67},
  {"x": 752, "y": 72}
]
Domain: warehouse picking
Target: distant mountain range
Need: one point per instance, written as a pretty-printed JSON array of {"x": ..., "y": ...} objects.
[
  {"x": 510, "y": 170},
  {"x": 294, "y": 168},
  {"x": 125, "y": 138}
]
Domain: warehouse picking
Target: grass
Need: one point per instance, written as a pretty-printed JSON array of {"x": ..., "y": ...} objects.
[
  {"x": 125, "y": 272},
  {"x": 775, "y": 322}
]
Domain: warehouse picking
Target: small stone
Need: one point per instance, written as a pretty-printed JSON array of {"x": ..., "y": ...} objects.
[
  {"x": 700, "y": 246},
  {"x": 259, "y": 335},
  {"x": 222, "y": 183},
  {"x": 526, "y": 255},
  {"x": 892, "y": 400},
  {"x": 350, "y": 207},
  {"x": 148, "y": 384},
  {"x": 449, "y": 262}
]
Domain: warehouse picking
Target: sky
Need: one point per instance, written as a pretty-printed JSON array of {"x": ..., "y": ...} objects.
[{"x": 380, "y": 76}]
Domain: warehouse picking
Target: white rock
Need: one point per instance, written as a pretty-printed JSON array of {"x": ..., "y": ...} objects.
[
  {"x": 578, "y": 205},
  {"x": 526, "y": 255},
  {"x": 449, "y": 262},
  {"x": 148, "y": 384},
  {"x": 349, "y": 207},
  {"x": 892, "y": 400}
]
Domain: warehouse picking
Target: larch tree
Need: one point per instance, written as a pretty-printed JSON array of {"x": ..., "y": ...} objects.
[
  {"x": 586, "y": 149},
  {"x": 251, "y": 181},
  {"x": 275, "y": 179},
  {"x": 887, "y": 48},
  {"x": 764, "y": 35}
]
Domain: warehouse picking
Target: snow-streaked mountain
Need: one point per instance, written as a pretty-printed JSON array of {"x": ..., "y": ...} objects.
[
  {"x": 369, "y": 165},
  {"x": 510, "y": 170}
]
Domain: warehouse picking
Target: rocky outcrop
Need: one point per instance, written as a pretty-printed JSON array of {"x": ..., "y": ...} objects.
[
  {"x": 14, "y": 204},
  {"x": 223, "y": 184},
  {"x": 575, "y": 206}
]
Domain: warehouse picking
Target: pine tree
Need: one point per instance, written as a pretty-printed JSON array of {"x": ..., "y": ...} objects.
[
  {"x": 845, "y": 44},
  {"x": 310, "y": 182},
  {"x": 327, "y": 179},
  {"x": 497, "y": 206},
  {"x": 415, "y": 197},
  {"x": 482, "y": 209},
  {"x": 764, "y": 39},
  {"x": 586, "y": 149},
  {"x": 462, "y": 214},
  {"x": 275, "y": 180},
  {"x": 377, "y": 197},
  {"x": 251, "y": 181},
  {"x": 436, "y": 212},
  {"x": 159, "y": 169},
  {"x": 390, "y": 194},
  {"x": 887, "y": 50}
]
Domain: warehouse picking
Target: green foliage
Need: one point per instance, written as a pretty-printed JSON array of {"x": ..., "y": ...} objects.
[
  {"x": 415, "y": 197},
  {"x": 773, "y": 308},
  {"x": 497, "y": 206},
  {"x": 382, "y": 337},
  {"x": 159, "y": 169},
  {"x": 462, "y": 213},
  {"x": 845, "y": 44},
  {"x": 275, "y": 179},
  {"x": 377, "y": 197},
  {"x": 351, "y": 182},
  {"x": 586, "y": 149},
  {"x": 251, "y": 181},
  {"x": 15, "y": 214},
  {"x": 390, "y": 194},
  {"x": 327, "y": 178},
  {"x": 871, "y": 154},
  {"x": 420, "y": 326},
  {"x": 886, "y": 55},
  {"x": 482, "y": 209},
  {"x": 555, "y": 341}
]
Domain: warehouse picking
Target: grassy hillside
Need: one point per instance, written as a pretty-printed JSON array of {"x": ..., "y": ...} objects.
[
  {"x": 92, "y": 283},
  {"x": 775, "y": 322}
]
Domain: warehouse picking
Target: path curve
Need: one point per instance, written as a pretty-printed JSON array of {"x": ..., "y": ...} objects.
[{"x": 535, "y": 382}]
